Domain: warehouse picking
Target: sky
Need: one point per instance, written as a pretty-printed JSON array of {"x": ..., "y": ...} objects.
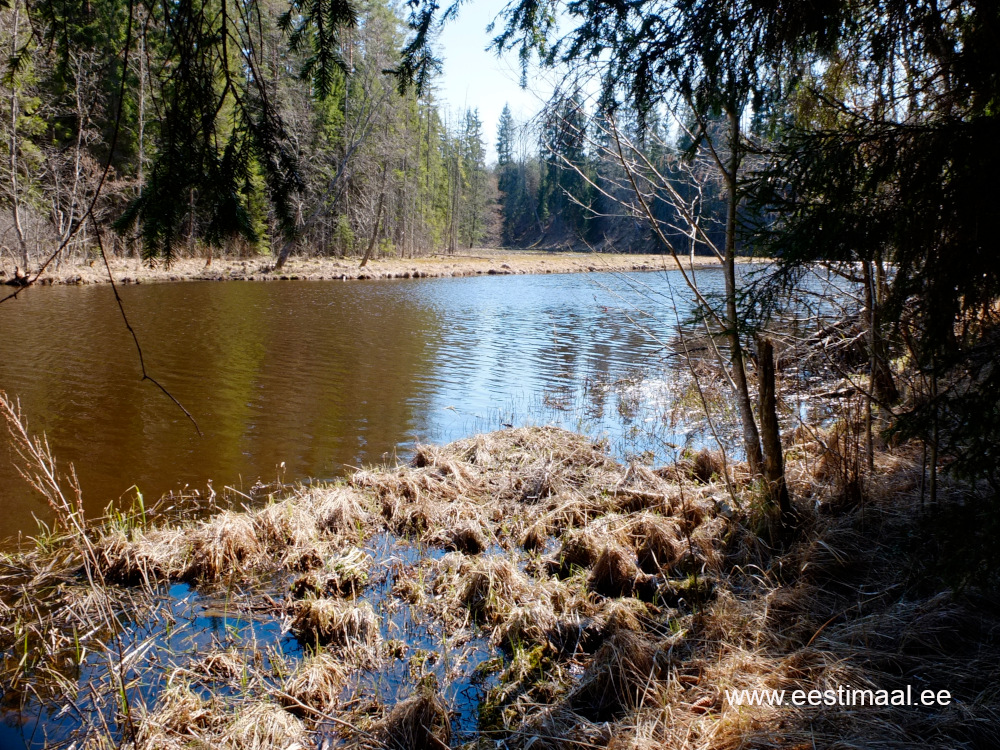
[{"x": 475, "y": 78}]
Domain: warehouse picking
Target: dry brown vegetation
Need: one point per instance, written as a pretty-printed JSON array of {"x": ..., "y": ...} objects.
[
  {"x": 622, "y": 603},
  {"x": 480, "y": 261}
]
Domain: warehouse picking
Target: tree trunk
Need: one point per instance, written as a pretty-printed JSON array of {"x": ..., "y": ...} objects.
[
  {"x": 883, "y": 384},
  {"x": 774, "y": 462},
  {"x": 190, "y": 237},
  {"x": 12, "y": 149},
  {"x": 456, "y": 187},
  {"x": 142, "y": 110},
  {"x": 751, "y": 437},
  {"x": 371, "y": 243},
  {"x": 378, "y": 218}
]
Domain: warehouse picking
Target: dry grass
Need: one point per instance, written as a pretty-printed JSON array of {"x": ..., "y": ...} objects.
[
  {"x": 227, "y": 543},
  {"x": 179, "y": 716},
  {"x": 580, "y": 549},
  {"x": 296, "y": 533},
  {"x": 131, "y": 558},
  {"x": 491, "y": 588},
  {"x": 658, "y": 543},
  {"x": 344, "y": 575},
  {"x": 708, "y": 465},
  {"x": 316, "y": 684},
  {"x": 182, "y": 719},
  {"x": 623, "y": 676},
  {"x": 477, "y": 261},
  {"x": 615, "y": 573},
  {"x": 349, "y": 629},
  {"x": 467, "y": 536},
  {"x": 420, "y": 722},
  {"x": 623, "y": 602},
  {"x": 266, "y": 726}
]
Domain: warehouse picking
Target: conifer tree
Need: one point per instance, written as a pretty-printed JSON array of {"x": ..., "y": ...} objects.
[
  {"x": 505, "y": 138},
  {"x": 473, "y": 221},
  {"x": 565, "y": 190}
]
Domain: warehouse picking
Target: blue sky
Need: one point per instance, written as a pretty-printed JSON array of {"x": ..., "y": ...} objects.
[{"x": 475, "y": 78}]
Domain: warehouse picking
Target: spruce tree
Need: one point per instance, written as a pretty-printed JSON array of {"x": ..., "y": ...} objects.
[{"x": 505, "y": 138}]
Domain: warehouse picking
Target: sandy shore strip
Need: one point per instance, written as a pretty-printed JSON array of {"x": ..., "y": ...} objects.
[{"x": 471, "y": 263}]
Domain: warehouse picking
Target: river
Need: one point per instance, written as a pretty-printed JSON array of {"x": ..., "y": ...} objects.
[{"x": 293, "y": 380}]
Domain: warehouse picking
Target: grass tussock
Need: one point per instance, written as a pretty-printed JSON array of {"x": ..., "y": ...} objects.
[
  {"x": 133, "y": 558},
  {"x": 265, "y": 726},
  {"x": 179, "y": 715},
  {"x": 421, "y": 722},
  {"x": 657, "y": 541},
  {"x": 615, "y": 573},
  {"x": 467, "y": 537},
  {"x": 580, "y": 549},
  {"x": 317, "y": 684},
  {"x": 297, "y": 533},
  {"x": 492, "y": 588},
  {"x": 352, "y": 630},
  {"x": 182, "y": 719},
  {"x": 343, "y": 575},
  {"x": 226, "y": 543}
]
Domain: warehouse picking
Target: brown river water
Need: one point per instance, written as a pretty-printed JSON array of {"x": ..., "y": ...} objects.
[{"x": 322, "y": 375}]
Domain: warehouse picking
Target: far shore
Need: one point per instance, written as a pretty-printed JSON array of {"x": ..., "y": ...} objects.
[{"x": 476, "y": 262}]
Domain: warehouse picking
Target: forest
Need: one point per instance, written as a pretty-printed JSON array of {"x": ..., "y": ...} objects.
[
  {"x": 94, "y": 132},
  {"x": 342, "y": 164},
  {"x": 527, "y": 509}
]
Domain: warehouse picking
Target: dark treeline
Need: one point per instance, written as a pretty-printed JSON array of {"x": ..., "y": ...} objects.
[
  {"x": 352, "y": 166},
  {"x": 260, "y": 145},
  {"x": 563, "y": 182}
]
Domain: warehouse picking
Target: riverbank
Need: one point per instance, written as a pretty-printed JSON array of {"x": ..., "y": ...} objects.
[
  {"x": 518, "y": 587},
  {"x": 470, "y": 263}
]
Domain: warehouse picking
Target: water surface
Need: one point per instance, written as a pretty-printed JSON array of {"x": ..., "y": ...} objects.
[{"x": 293, "y": 380}]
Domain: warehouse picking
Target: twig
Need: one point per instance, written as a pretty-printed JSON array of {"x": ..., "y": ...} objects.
[{"x": 135, "y": 338}]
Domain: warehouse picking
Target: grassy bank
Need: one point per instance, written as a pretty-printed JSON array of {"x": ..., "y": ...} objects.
[
  {"x": 519, "y": 586},
  {"x": 476, "y": 262}
]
